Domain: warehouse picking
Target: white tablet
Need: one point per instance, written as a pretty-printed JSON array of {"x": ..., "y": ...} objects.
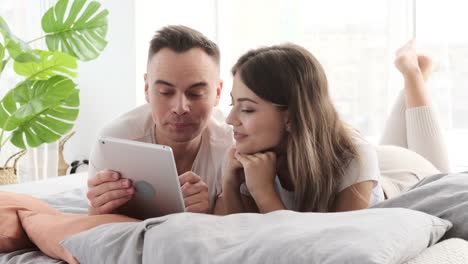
[{"x": 151, "y": 168}]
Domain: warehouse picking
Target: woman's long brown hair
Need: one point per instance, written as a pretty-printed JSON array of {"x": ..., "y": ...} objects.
[{"x": 319, "y": 145}]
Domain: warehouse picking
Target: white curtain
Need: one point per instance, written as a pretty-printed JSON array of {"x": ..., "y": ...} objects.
[{"x": 39, "y": 163}]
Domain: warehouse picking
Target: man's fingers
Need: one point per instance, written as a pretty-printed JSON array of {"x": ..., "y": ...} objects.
[
  {"x": 191, "y": 189},
  {"x": 103, "y": 176},
  {"x": 202, "y": 207},
  {"x": 196, "y": 198},
  {"x": 189, "y": 177},
  {"x": 110, "y": 196},
  {"x": 108, "y": 186},
  {"x": 111, "y": 206}
]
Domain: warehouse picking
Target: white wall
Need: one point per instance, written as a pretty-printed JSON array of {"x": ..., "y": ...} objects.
[
  {"x": 107, "y": 84},
  {"x": 155, "y": 14}
]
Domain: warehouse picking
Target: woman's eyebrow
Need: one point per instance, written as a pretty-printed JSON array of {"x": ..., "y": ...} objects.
[
  {"x": 246, "y": 99},
  {"x": 243, "y": 99}
]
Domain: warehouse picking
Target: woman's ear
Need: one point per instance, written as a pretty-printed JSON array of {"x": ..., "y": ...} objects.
[{"x": 287, "y": 121}]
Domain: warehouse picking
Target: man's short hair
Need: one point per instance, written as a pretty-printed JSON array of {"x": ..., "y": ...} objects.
[{"x": 180, "y": 39}]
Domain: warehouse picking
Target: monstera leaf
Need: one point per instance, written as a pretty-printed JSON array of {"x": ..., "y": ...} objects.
[
  {"x": 18, "y": 49},
  {"x": 2, "y": 54},
  {"x": 81, "y": 36},
  {"x": 40, "y": 111},
  {"x": 52, "y": 63}
]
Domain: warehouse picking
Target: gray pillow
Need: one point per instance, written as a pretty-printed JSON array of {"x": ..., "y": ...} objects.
[
  {"x": 366, "y": 236},
  {"x": 441, "y": 195}
]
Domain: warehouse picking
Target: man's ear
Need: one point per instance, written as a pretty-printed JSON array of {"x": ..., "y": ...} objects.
[
  {"x": 219, "y": 89},
  {"x": 146, "y": 88}
]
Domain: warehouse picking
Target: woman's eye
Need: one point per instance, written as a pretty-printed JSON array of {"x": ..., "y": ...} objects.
[{"x": 248, "y": 111}]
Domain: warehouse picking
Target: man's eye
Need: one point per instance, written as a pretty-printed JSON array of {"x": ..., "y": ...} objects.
[
  {"x": 165, "y": 93},
  {"x": 196, "y": 96},
  {"x": 248, "y": 111}
]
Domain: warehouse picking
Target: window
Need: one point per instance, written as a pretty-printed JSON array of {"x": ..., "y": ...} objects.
[
  {"x": 355, "y": 42},
  {"x": 440, "y": 27}
]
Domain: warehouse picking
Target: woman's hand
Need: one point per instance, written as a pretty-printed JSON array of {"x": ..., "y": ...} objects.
[
  {"x": 233, "y": 173},
  {"x": 260, "y": 172}
]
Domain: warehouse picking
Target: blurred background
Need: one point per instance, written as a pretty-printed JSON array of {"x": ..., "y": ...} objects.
[{"x": 355, "y": 41}]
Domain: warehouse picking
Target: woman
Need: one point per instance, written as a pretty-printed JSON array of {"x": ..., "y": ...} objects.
[{"x": 292, "y": 150}]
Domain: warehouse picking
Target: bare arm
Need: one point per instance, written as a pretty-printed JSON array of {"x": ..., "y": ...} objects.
[
  {"x": 268, "y": 200},
  {"x": 246, "y": 202},
  {"x": 355, "y": 197},
  {"x": 232, "y": 201}
]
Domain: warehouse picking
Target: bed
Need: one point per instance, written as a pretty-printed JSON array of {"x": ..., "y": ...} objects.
[{"x": 251, "y": 238}]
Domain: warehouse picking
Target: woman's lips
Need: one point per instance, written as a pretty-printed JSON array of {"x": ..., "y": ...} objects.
[{"x": 239, "y": 136}]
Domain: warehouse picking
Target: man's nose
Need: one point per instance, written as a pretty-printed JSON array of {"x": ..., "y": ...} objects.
[{"x": 181, "y": 105}]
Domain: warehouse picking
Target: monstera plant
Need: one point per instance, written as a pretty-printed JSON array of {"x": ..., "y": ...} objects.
[{"x": 45, "y": 104}]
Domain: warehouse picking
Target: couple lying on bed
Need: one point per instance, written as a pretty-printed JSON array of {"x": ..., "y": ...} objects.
[{"x": 291, "y": 150}]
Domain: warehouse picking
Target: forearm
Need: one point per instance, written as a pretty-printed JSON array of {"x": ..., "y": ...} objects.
[
  {"x": 268, "y": 201},
  {"x": 232, "y": 201}
]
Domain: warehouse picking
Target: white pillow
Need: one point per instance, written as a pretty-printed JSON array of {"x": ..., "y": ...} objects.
[{"x": 366, "y": 236}]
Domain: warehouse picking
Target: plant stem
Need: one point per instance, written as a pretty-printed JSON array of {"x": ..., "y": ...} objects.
[
  {"x": 36, "y": 39},
  {"x": 6, "y": 140},
  {"x": 7, "y": 59}
]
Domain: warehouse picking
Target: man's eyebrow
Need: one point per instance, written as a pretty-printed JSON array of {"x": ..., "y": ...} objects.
[
  {"x": 198, "y": 84},
  {"x": 163, "y": 83},
  {"x": 195, "y": 85}
]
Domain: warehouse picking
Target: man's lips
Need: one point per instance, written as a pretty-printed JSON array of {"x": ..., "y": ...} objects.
[
  {"x": 181, "y": 125},
  {"x": 239, "y": 136}
]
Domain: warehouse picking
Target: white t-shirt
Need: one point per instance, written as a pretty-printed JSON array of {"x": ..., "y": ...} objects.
[
  {"x": 138, "y": 125},
  {"x": 366, "y": 169}
]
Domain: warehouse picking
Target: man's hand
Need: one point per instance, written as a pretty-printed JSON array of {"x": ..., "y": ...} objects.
[
  {"x": 195, "y": 192},
  {"x": 107, "y": 191}
]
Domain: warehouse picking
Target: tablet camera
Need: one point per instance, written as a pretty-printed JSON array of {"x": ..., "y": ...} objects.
[{"x": 144, "y": 190}]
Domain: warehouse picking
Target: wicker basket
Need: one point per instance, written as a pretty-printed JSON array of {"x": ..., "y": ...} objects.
[
  {"x": 62, "y": 164},
  {"x": 7, "y": 173}
]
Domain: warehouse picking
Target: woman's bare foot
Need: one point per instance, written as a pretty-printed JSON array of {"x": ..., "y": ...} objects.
[
  {"x": 406, "y": 59},
  {"x": 415, "y": 70},
  {"x": 426, "y": 65}
]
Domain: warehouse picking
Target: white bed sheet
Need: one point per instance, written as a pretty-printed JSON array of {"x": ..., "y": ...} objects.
[{"x": 45, "y": 188}]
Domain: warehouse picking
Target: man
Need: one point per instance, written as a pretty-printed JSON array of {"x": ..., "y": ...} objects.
[{"x": 182, "y": 87}]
